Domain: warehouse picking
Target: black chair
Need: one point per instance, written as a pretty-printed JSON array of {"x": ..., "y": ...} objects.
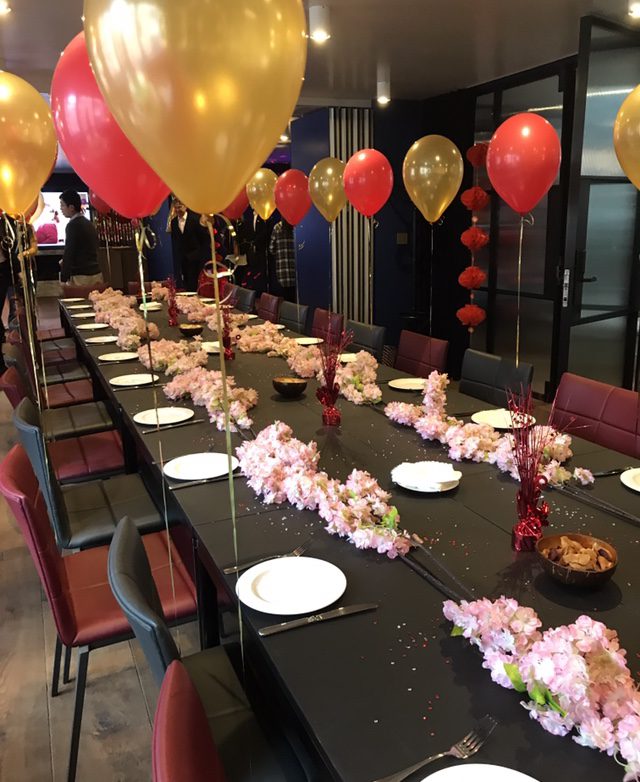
[
  {"x": 83, "y": 515},
  {"x": 244, "y": 298},
  {"x": 366, "y": 337},
  {"x": 59, "y": 373},
  {"x": 490, "y": 377},
  {"x": 294, "y": 316},
  {"x": 243, "y": 748}
]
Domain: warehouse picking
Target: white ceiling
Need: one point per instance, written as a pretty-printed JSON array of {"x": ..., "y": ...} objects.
[{"x": 432, "y": 46}]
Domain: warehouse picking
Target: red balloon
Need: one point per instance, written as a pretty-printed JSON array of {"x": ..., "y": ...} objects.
[
  {"x": 523, "y": 160},
  {"x": 292, "y": 195},
  {"x": 101, "y": 206},
  {"x": 368, "y": 181},
  {"x": 92, "y": 140},
  {"x": 238, "y": 206}
]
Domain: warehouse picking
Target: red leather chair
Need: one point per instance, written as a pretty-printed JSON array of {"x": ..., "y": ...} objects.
[
  {"x": 421, "y": 355},
  {"x": 268, "y": 307},
  {"x": 59, "y": 395},
  {"x": 183, "y": 749},
  {"x": 603, "y": 414},
  {"x": 208, "y": 290},
  {"x": 327, "y": 325},
  {"x": 85, "y": 614},
  {"x": 88, "y": 457}
]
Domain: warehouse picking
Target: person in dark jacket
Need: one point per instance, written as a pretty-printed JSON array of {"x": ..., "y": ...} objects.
[
  {"x": 79, "y": 264},
  {"x": 191, "y": 245}
]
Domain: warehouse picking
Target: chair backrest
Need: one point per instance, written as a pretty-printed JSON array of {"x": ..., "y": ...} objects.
[
  {"x": 207, "y": 289},
  {"x": 13, "y": 386},
  {"x": 421, "y": 355},
  {"x": 69, "y": 290},
  {"x": 26, "y": 419},
  {"x": 19, "y": 487},
  {"x": 183, "y": 748},
  {"x": 135, "y": 590},
  {"x": 245, "y": 299},
  {"x": 327, "y": 325},
  {"x": 490, "y": 377},
  {"x": 268, "y": 307},
  {"x": 366, "y": 337},
  {"x": 134, "y": 289},
  {"x": 294, "y": 316},
  {"x": 603, "y": 414}
]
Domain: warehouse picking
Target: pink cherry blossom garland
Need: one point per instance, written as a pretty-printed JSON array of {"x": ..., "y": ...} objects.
[
  {"x": 116, "y": 309},
  {"x": 173, "y": 357}
]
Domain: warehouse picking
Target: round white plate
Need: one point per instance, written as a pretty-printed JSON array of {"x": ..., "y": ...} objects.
[
  {"x": 73, "y": 298},
  {"x": 280, "y": 326},
  {"x": 122, "y": 356},
  {"x": 631, "y": 479},
  {"x": 428, "y": 477},
  {"x": 152, "y": 306},
  {"x": 198, "y": 466},
  {"x": 211, "y": 347},
  {"x": 252, "y": 316},
  {"x": 207, "y": 300},
  {"x": 163, "y": 416},
  {"x": 92, "y": 326},
  {"x": 408, "y": 384},
  {"x": 291, "y": 585},
  {"x": 79, "y": 307},
  {"x": 347, "y": 358},
  {"x": 143, "y": 379},
  {"x": 83, "y": 315},
  {"x": 106, "y": 340},
  {"x": 498, "y": 419},
  {"x": 309, "y": 340},
  {"x": 186, "y": 293},
  {"x": 478, "y": 772}
]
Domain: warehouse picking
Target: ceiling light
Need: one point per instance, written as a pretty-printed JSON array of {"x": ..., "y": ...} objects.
[
  {"x": 284, "y": 138},
  {"x": 634, "y": 10},
  {"x": 319, "y": 30},
  {"x": 5, "y": 8},
  {"x": 383, "y": 93}
]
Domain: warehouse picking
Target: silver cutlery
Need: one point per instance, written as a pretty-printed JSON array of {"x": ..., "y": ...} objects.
[
  {"x": 189, "y": 484},
  {"x": 297, "y": 552},
  {"x": 418, "y": 543},
  {"x": 149, "y": 386},
  {"x": 304, "y": 621},
  {"x": 462, "y": 750},
  {"x": 159, "y": 430},
  {"x": 607, "y": 473},
  {"x": 425, "y": 573}
]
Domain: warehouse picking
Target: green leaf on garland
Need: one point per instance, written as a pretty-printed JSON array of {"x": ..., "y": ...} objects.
[
  {"x": 456, "y": 631},
  {"x": 514, "y": 677},
  {"x": 539, "y": 694},
  {"x": 551, "y": 700}
]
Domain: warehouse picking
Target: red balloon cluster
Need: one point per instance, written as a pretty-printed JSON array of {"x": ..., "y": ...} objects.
[
  {"x": 238, "y": 206},
  {"x": 368, "y": 181},
  {"x": 292, "y": 195}
]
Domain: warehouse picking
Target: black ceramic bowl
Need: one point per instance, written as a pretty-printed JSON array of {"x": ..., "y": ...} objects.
[
  {"x": 569, "y": 576},
  {"x": 190, "y": 329},
  {"x": 289, "y": 386}
]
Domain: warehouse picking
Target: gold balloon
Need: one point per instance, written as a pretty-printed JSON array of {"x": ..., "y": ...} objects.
[
  {"x": 35, "y": 210},
  {"x": 28, "y": 144},
  {"x": 432, "y": 173},
  {"x": 326, "y": 187},
  {"x": 626, "y": 136},
  {"x": 202, "y": 90},
  {"x": 261, "y": 192}
]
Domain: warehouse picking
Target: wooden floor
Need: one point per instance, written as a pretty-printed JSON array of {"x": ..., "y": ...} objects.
[{"x": 115, "y": 745}]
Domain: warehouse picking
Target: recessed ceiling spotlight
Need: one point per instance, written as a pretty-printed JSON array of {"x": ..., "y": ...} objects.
[
  {"x": 319, "y": 30},
  {"x": 5, "y": 8},
  {"x": 634, "y": 10},
  {"x": 284, "y": 138},
  {"x": 383, "y": 93}
]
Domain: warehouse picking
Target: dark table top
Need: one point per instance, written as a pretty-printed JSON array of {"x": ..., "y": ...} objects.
[{"x": 378, "y": 691}]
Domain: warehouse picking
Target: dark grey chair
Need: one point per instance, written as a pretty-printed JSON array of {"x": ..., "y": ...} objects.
[
  {"x": 294, "y": 316},
  {"x": 490, "y": 377},
  {"x": 366, "y": 337},
  {"x": 245, "y": 299},
  {"x": 60, "y": 373},
  {"x": 83, "y": 515},
  {"x": 243, "y": 748}
]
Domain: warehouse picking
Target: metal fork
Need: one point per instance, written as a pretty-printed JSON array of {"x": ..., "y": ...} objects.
[
  {"x": 462, "y": 750},
  {"x": 297, "y": 552}
]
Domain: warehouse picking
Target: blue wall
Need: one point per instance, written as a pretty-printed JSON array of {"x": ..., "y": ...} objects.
[
  {"x": 310, "y": 143},
  {"x": 160, "y": 259}
]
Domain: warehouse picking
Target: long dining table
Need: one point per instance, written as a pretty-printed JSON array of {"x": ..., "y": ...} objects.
[{"x": 375, "y": 692}]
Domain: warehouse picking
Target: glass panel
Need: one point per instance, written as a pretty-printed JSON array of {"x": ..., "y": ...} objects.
[
  {"x": 478, "y": 340},
  {"x": 533, "y": 249},
  {"x": 597, "y": 350},
  {"x": 542, "y": 96},
  {"x": 536, "y": 326},
  {"x": 485, "y": 126}
]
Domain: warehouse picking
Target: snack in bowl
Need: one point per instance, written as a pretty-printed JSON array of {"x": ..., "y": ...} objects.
[
  {"x": 191, "y": 329},
  {"x": 581, "y": 560}
]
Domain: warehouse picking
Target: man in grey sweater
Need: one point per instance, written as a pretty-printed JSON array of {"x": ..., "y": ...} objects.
[{"x": 79, "y": 265}]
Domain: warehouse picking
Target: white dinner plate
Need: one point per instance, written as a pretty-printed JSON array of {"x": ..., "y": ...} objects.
[
  {"x": 106, "y": 340},
  {"x": 252, "y": 316},
  {"x": 427, "y": 477},
  {"x": 478, "y": 772},
  {"x": 291, "y": 585},
  {"x": 122, "y": 356},
  {"x": 186, "y": 293},
  {"x": 83, "y": 315},
  {"x": 163, "y": 416},
  {"x": 79, "y": 307},
  {"x": 309, "y": 340},
  {"x": 631, "y": 479},
  {"x": 143, "y": 379},
  {"x": 279, "y": 326},
  {"x": 92, "y": 326},
  {"x": 198, "y": 466},
  {"x": 498, "y": 419},
  {"x": 348, "y": 358},
  {"x": 408, "y": 384},
  {"x": 207, "y": 300},
  {"x": 73, "y": 298},
  {"x": 210, "y": 347},
  {"x": 151, "y": 306}
]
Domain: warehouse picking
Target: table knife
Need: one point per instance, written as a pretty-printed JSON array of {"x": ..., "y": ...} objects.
[
  {"x": 336, "y": 613},
  {"x": 188, "y": 484},
  {"x": 163, "y": 428},
  {"x": 607, "y": 473}
]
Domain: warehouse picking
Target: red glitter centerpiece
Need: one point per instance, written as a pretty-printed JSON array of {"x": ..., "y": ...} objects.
[
  {"x": 170, "y": 285},
  {"x": 327, "y": 393}
]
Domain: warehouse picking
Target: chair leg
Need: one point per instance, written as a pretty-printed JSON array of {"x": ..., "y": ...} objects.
[
  {"x": 66, "y": 678},
  {"x": 81, "y": 680},
  {"x": 55, "y": 679}
]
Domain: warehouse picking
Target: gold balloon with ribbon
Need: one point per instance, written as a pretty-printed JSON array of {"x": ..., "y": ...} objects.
[
  {"x": 261, "y": 192},
  {"x": 326, "y": 187},
  {"x": 28, "y": 145},
  {"x": 35, "y": 210},
  {"x": 432, "y": 173},
  {"x": 626, "y": 136},
  {"x": 201, "y": 89}
]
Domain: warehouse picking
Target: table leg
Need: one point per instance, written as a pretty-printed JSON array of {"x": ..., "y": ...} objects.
[{"x": 207, "y": 601}]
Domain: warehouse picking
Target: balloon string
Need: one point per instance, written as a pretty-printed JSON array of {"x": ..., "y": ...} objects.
[
  {"x": 31, "y": 335},
  {"x": 518, "y": 293},
  {"x": 370, "y": 225},
  {"x": 431, "y": 283}
]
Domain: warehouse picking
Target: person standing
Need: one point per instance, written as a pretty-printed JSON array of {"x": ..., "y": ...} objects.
[
  {"x": 79, "y": 265},
  {"x": 190, "y": 243},
  {"x": 282, "y": 249}
]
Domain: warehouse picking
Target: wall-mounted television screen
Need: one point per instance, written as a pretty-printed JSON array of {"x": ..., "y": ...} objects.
[{"x": 50, "y": 226}]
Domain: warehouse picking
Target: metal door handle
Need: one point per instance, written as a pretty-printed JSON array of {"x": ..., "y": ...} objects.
[{"x": 589, "y": 279}]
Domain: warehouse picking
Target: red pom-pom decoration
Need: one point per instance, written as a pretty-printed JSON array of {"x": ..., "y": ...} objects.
[
  {"x": 471, "y": 315},
  {"x": 477, "y": 155},
  {"x": 474, "y": 238},
  {"x": 475, "y": 199},
  {"x": 472, "y": 277}
]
